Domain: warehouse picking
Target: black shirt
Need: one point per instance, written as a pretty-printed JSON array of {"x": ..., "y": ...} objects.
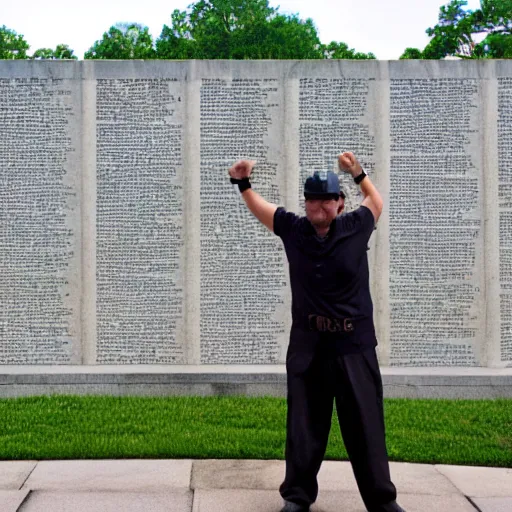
[{"x": 329, "y": 276}]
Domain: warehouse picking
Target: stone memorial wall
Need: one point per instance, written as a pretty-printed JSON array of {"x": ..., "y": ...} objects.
[{"x": 123, "y": 242}]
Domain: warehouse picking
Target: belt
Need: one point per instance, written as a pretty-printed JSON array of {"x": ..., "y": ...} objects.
[{"x": 320, "y": 323}]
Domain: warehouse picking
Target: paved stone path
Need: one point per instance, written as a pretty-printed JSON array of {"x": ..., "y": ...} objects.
[{"x": 234, "y": 485}]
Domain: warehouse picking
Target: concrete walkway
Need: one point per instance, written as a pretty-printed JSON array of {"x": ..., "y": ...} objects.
[{"x": 234, "y": 486}]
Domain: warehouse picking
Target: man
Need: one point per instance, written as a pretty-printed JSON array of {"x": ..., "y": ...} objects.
[{"x": 331, "y": 355}]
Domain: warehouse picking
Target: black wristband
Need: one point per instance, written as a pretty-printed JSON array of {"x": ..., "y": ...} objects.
[
  {"x": 360, "y": 177},
  {"x": 243, "y": 184}
]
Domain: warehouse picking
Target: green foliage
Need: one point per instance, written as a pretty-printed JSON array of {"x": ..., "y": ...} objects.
[
  {"x": 252, "y": 29},
  {"x": 123, "y": 41},
  {"x": 12, "y": 45},
  {"x": 495, "y": 16},
  {"x": 207, "y": 29},
  {"x": 411, "y": 53},
  {"x": 237, "y": 29},
  {"x": 175, "y": 42},
  {"x": 288, "y": 37},
  {"x": 495, "y": 46},
  {"x": 457, "y": 27},
  {"x": 43, "y": 53},
  {"x": 244, "y": 29},
  {"x": 452, "y": 35},
  {"x": 62, "y": 51},
  {"x": 336, "y": 50}
]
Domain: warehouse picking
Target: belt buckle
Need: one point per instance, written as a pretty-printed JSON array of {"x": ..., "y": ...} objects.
[
  {"x": 348, "y": 325},
  {"x": 319, "y": 323}
]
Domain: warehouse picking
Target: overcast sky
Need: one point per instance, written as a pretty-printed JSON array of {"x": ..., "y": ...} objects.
[{"x": 384, "y": 27}]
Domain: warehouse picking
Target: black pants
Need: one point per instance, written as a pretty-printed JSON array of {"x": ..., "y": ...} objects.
[{"x": 318, "y": 372}]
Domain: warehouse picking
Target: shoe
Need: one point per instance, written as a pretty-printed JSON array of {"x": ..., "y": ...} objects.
[
  {"x": 289, "y": 506},
  {"x": 392, "y": 507}
]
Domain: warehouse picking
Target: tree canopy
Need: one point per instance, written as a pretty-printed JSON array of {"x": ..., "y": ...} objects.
[
  {"x": 62, "y": 51},
  {"x": 244, "y": 29},
  {"x": 12, "y": 45},
  {"x": 252, "y": 29},
  {"x": 123, "y": 41},
  {"x": 459, "y": 29}
]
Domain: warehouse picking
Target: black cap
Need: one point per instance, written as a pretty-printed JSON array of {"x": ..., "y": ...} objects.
[{"x": 323, "y": 187}]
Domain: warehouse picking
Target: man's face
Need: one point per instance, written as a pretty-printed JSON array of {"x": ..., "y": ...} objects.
[{"x": 321, "y": 212}]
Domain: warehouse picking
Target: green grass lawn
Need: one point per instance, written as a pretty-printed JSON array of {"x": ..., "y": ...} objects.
[{"x": 467, "y": 432}]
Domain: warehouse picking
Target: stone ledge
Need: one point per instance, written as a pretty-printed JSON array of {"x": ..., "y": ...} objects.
[{"x": 265, "y": 380}]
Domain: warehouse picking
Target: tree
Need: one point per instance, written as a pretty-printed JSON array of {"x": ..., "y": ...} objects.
[
  {"x": 411, "y": 53},
  {"x": 457, "y": 27},
  {"x": 495, "y": 19},
  {"x": 453, "y": 34},
  {"x": 336, "y": 50},
  {"x": 234, "y": 29},
  {"x": 123, "y": 41},
  {"x": 62, "y": 51},
  {"x": 495, "y": 16},
  {"x": 176, "y": 42},
  {"x": 43, "y": 53},
  {"x": 243, "y": 29},
  {"x": 284, "y": 37},
  {"x": 495, "y": 46},
  {"x": 12, "y": 45}
]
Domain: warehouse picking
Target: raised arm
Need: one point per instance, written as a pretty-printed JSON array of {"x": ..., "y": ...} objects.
[
  {"x": 259, "y": 207},
  {"x": 372, "y": 199}
]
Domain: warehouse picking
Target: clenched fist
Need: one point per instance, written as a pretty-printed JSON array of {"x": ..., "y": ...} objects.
[
  {"x": 347, "y": 162},
  {"x": 242, "y": 169}
]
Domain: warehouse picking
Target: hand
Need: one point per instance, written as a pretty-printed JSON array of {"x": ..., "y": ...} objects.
[
  {"x": 242, "y": 169},
  {"x": 347, "y": 162}
]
